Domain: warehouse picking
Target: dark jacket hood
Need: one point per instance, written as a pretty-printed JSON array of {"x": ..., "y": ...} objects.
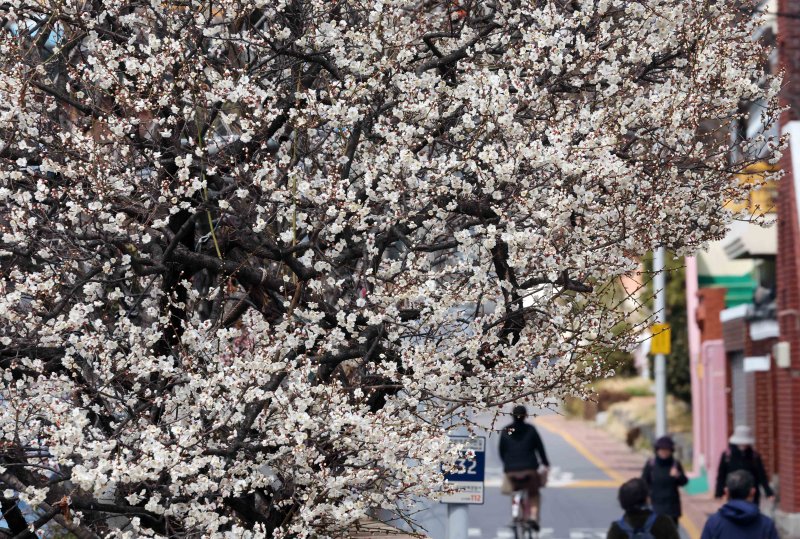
[
  {"x": 748, "y": 453},
  {"x": 517, "y": 429},
  {"x": 665, "y": 462},
  {"x": 740, "y": 511}
]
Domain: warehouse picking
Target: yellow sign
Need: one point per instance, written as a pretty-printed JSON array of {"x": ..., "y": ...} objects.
[{"x": 661, "y": 341}]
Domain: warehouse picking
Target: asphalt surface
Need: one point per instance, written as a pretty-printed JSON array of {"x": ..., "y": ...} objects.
[
  {"x": 578, "y": 503},
  {"x": 571, "y": 507}
]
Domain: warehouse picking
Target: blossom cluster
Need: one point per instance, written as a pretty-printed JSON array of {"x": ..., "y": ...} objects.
[{"x": 255, "y": 257}]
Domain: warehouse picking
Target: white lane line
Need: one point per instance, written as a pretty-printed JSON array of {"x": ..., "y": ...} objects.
[
  {"x": 558, "y": 478},
  {"x": 587, "y": 533},
  {"x": 547, "y": 533}
]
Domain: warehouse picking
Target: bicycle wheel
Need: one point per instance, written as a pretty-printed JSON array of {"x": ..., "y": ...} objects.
[{"x": 519, "y": 529}]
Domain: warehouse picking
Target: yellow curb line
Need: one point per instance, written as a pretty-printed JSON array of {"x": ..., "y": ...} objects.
[
  {"x": 579, "y": 447},
  {"x": 616, "y": 477},
  {"x": 691, "y": 528}
]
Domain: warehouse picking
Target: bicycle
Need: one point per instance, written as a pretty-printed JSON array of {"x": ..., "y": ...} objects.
[{"x": 521, "y": 526}]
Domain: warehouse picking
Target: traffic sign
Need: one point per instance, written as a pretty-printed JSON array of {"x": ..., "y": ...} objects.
[
  {"x": 660, "y": 344},
  {"x": 466, "y": 485}
]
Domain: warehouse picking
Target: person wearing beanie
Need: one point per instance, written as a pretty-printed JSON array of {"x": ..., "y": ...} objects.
[
  {"x": 639, "y": 516},
  {"x": 740, "y": 455},
  {"x": 522, "y": 452},
  {"x": 663, "y": 475}
]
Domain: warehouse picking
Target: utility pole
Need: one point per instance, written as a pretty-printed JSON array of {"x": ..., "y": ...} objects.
[
  {"x": 457, "y": 520},
  {"x": 458, "y": 513},
  {"x": 660, "y": 362}
]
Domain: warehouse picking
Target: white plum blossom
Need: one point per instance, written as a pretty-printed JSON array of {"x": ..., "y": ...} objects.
[{"x": 257, "y": 257}]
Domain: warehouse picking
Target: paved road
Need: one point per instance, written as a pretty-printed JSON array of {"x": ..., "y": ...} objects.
[{"x": 578, "y": 503}]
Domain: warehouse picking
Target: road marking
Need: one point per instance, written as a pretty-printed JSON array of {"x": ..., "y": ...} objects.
[
  {"x": 474, "y": 532},
  {"x": 558, "y": 479},
  {"x": 616, "y": 478},
  {"x": 587, "y": 533},
  {"x": 548, "y": 533},
  {"x": 579, "y": 447},
  {"x": 691, "y": 528},
  {"x": 590, "y": 483},
  {"x": 497, "y": 482}
]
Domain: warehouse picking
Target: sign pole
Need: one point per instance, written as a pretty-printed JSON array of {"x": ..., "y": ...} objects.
[
  {"x": 466, "y": 483},
  {"x": 457, "y": 521},
  {"x": 660, "y": 361}
]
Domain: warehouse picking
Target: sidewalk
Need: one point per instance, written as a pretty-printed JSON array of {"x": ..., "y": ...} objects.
[{"x": 621, "y": 463}]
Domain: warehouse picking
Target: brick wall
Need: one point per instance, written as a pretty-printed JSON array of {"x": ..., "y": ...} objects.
[
  {"x": 734, "y": 333},
  {"x": 789, "y": 57},
  {"x": 787, "y": 384},
  {"x": 787, "y": 388},
  {"x": 766, "y": 414},
  {"x": 711, "y": 303},
  {"x": 764, "y": 408}
]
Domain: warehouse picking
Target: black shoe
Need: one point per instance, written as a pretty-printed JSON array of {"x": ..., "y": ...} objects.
[{"x": 533, "y": 525}]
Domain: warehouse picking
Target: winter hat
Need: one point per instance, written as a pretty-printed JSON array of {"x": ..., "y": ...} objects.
[
  {"x": 742, "y": 435},
  {"x": 665, "y": 442},
  {"x": 519, "y": 412}
]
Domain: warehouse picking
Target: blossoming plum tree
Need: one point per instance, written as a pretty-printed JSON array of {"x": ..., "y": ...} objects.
[{"x": 254, "y": 255}]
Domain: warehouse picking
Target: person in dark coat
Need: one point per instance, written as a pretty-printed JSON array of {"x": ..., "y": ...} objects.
[
  {"x": 663, "y": 474},
  {"x": 633, "y": 497},
  {"x": 740, "y": 455},
  {"x": 740, "y": 517},
  {"x": 522, "y": 452}
]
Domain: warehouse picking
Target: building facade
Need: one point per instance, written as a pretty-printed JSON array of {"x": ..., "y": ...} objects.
[{"x": 746, "y": 353}]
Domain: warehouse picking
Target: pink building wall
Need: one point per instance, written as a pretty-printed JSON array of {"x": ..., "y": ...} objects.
[
  {"x": 713, "y": 420},
  {"x": 694, "y": 363}
]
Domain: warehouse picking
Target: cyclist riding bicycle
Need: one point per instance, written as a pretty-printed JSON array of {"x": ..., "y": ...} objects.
[{"x": 522, "y": 452}]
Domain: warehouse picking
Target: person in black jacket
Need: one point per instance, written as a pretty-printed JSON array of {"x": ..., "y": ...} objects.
[
  {"x": 740, "y": 455},
  {"x": 522, "y": 452},
  {"x": 663, "y": 474},
  {"x": 639, "y": 516}
]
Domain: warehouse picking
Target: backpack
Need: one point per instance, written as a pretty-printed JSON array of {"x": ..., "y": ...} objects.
[{"x": 639, "y": 533}]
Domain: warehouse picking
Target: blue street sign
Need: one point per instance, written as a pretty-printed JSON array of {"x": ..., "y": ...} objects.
[{"x": 466, "y": 484}]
